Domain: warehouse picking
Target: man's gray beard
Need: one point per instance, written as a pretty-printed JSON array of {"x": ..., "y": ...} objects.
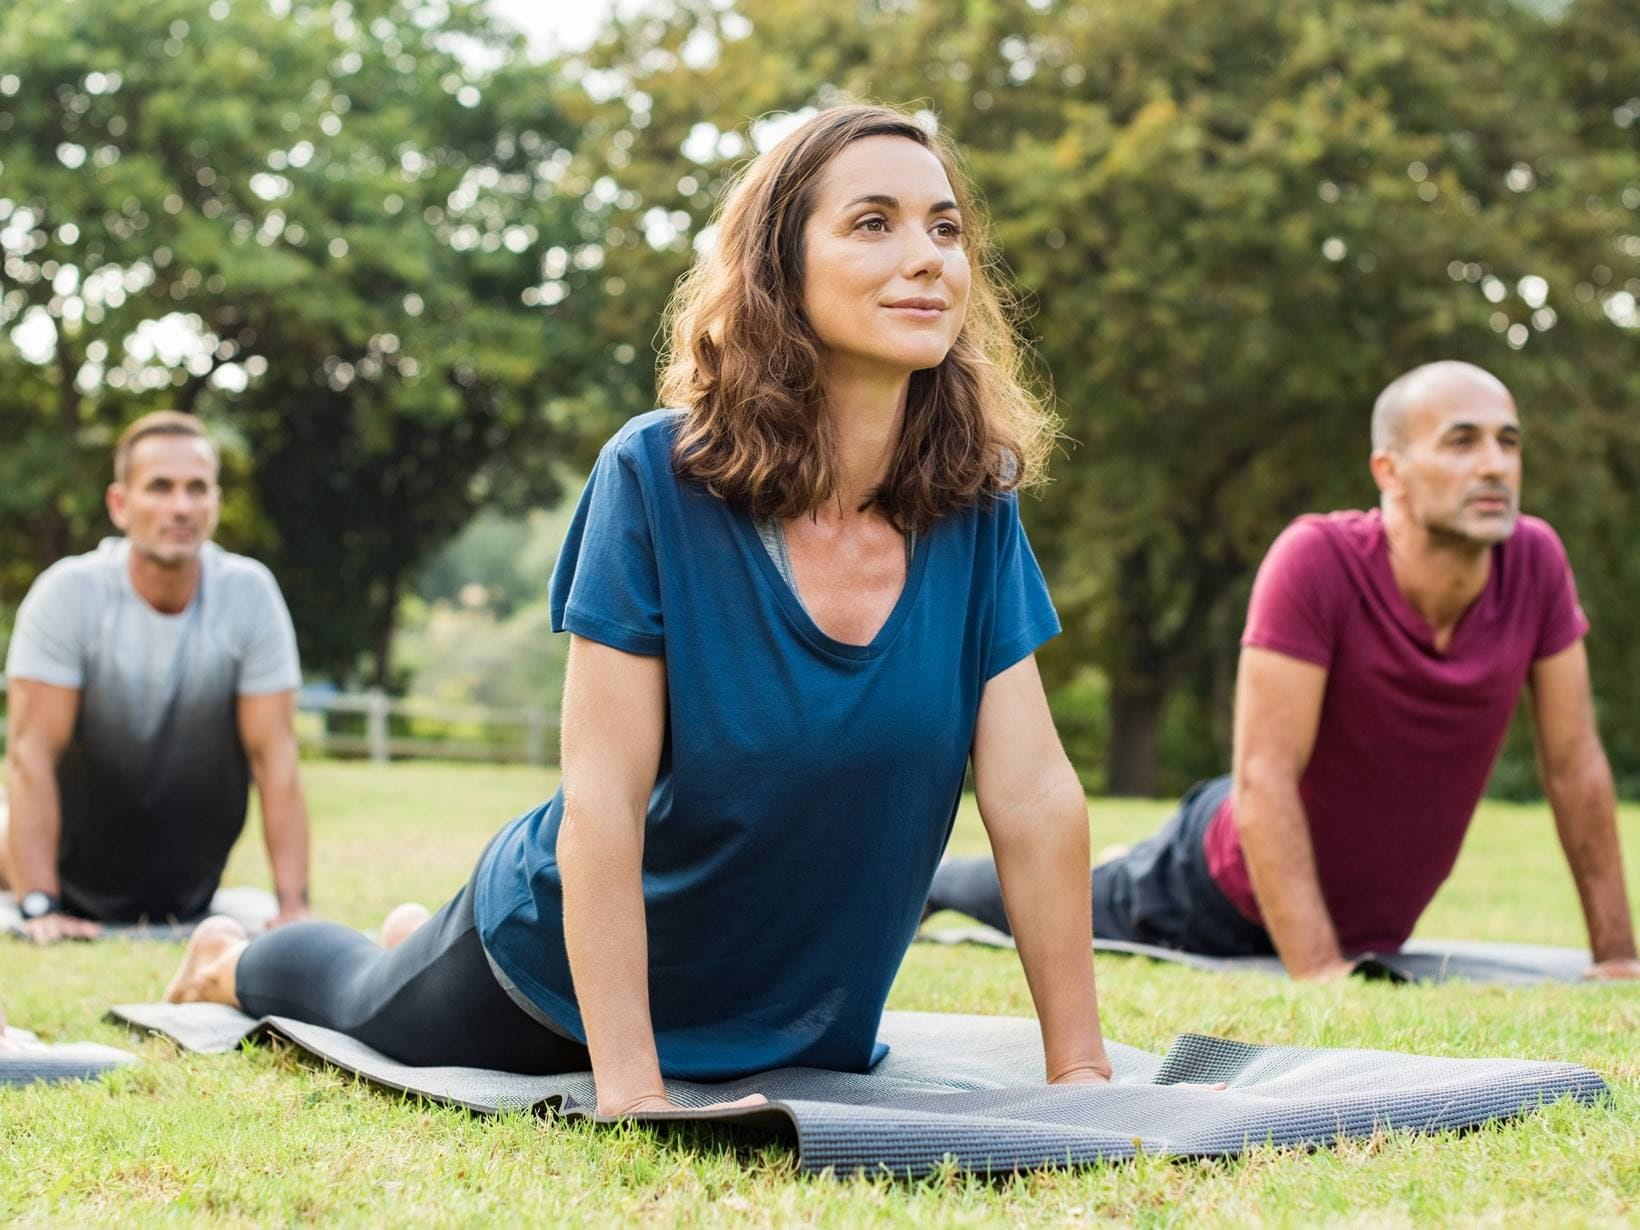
[{"x": 1455, "y": 539}]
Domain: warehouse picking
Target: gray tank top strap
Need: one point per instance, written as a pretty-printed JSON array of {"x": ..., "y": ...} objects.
[{"x": 773, "y": 535}]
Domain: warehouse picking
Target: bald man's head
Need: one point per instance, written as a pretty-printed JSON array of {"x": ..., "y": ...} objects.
[
  {"x": 1446, "y": 455},
  {"x": 1447, "y": 379}
]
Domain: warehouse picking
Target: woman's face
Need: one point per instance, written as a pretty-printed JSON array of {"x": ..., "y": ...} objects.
[{"x": 885, "y": 281}]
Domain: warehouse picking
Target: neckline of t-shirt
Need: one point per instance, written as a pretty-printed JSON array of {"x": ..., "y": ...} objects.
[
  {"x": 803, "y": 622},
  {"x": 1407, "y": 616},
  {"x": 122, "y": 555},
  {"x": 771, "y": 532}
]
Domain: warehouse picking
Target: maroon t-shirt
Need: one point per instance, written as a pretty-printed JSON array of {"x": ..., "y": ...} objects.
[{"x": 1408, "y": 735}]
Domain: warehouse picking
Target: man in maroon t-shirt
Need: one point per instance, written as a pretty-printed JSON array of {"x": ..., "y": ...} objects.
[{"x": 1383, "y": 655}]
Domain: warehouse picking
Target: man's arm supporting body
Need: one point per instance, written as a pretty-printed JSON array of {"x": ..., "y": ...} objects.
[
  {"x": 267, "y": 728},
  {"x": 1278, "y": 709},
  {"x": 41, "y": 723},
  {"x": 1037, "y": 818},
  {"x": 1578, "y": 781}
]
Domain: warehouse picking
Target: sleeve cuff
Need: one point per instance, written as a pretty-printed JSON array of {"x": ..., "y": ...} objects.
[
  {"x": 1019, "y": 648},
  {"x": 616, "y": 636},
  {"x": 1289, "y": 649},
  {"x": 267, "y": 687},
  {"x": 56, "y": 676}
]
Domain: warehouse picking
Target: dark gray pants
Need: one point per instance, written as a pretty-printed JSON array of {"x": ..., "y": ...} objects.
[
  {"x": 433, "y": 1001},
  {"x": 1157, "y": 893}
]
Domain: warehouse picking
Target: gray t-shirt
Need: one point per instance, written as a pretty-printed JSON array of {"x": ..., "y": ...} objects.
[{"x": 154, "y": 781}]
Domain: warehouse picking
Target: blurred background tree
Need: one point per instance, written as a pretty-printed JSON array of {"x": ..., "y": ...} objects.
[
  {"x": 1234, "y": 226},
  {"x": 322, "y": 228},
  {"x": 427, "y": 275}
]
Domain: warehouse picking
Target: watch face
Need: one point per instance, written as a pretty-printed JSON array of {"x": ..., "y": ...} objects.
[{"x": 37, "y": 905}]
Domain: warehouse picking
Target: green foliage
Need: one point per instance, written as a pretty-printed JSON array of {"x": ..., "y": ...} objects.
[
  {"x": 1235, "y": 225},
  {"x": 343, "y": 219},
  {"x": 478, "y": 629}
]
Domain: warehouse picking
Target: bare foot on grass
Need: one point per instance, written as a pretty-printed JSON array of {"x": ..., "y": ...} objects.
[
  {"x": 206, "y": 973},
  {"x": 401, "y": 922}
]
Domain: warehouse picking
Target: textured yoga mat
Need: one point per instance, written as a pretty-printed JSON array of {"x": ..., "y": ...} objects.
[
  {"x": 1420, "y": 961},
  {"x": 61, "y": 1061},
  {"x": 253, "y": 907},
  {"x": 969, "y": 1089}
]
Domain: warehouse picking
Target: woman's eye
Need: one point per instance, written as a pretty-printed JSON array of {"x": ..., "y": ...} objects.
[
  {"x": 875, "y": 225},
  {"x": 948, "y": 230}
]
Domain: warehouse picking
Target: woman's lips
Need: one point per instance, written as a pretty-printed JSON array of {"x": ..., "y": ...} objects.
[{"x": 918, "y": 309}]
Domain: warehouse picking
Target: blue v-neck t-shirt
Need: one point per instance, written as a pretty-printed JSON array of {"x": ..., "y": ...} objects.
[{"x": 806, "y": 786}]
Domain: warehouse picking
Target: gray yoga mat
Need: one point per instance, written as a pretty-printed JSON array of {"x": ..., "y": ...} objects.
[
  {"x": 254, "y": 908},
  {"x": 970, "y": 1089},
  {"x": 61, "y": 1061},
  {"x": 1420, "y": 961}
]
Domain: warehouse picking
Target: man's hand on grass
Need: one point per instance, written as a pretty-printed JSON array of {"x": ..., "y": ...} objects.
[
  {"x": 49, "y": 928},
  {"x": 289, "y": 914},
  {"x": 1617, "y": 969},
  {"x": 1330, "y": 971}
]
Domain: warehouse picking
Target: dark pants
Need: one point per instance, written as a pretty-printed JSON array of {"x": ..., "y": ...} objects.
[
  {"x": 1157, "y": 893},
  {"x": 431, "y": 1002}
]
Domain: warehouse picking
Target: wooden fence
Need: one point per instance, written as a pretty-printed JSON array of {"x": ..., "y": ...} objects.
[{"x": 381, "y": 728}]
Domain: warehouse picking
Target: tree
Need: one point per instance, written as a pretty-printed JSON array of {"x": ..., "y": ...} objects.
[
  {"x": 1235, "y": 224},
  {"x": 333, "y": 230}
]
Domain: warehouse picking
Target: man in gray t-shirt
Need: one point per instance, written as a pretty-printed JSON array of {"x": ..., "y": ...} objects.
[{"x": 148, "y": 681}]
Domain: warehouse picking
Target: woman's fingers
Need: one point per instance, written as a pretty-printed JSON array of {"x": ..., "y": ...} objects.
[
  {"x": 751, "y": 1099},
  {"x": 658, "y": 1104}
]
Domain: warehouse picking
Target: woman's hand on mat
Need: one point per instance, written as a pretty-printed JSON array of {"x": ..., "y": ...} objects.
[
  {"x": 660, "y": 1104},
  {"x": 49, "y": 928},
  {"x": 1095, "y": 1073},
  {"x": 1617, "y": 969}
]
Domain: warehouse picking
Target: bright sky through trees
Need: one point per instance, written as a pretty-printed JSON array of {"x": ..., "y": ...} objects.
[{"x": 559, "y": 25}]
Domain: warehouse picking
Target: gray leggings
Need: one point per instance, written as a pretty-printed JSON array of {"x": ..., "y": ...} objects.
[{"x": 431, "y": 1002}]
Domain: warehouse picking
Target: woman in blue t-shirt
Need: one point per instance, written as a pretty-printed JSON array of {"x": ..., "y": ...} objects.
[{"x": 799, "y": 604}]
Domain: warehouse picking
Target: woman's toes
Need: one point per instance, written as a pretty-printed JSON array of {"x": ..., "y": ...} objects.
[{"x": 210, "y": 940}]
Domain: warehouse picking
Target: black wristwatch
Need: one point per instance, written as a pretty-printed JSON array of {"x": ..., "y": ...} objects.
[{"x": 38, "y": 905}]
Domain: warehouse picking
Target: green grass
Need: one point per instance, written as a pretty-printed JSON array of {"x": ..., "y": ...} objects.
[{"x": 262, "y": 1138}]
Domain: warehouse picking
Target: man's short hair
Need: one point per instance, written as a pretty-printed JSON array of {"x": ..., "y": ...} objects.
[{"x": 158, "y": 423}]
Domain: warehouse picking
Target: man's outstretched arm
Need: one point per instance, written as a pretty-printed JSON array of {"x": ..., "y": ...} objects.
[
  {"x": 267, "y": 728},
  {"x": 1278, "y": 707},
  {"x": 1578, "y": 781},
  {"x": 41, "y": 723}
]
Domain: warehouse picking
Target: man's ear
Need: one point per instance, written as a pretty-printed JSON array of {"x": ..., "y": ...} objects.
[
  {"x": 114, "y": 499},
  {"x": 1385, "y": 467}
]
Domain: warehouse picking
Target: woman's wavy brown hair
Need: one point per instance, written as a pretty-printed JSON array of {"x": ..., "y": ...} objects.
[{"x": 745, "y": 365}]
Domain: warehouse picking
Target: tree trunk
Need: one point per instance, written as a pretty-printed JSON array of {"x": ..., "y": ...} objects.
[
  {"x": 381, "y": 640},
  {"x": 52, "y": 538},
  {"x": 1135, "y": 732}
]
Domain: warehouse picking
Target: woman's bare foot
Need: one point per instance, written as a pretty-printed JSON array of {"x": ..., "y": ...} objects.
[
  {"x": 207, "y": 970},
  {"x": 401, "y": 922}
]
